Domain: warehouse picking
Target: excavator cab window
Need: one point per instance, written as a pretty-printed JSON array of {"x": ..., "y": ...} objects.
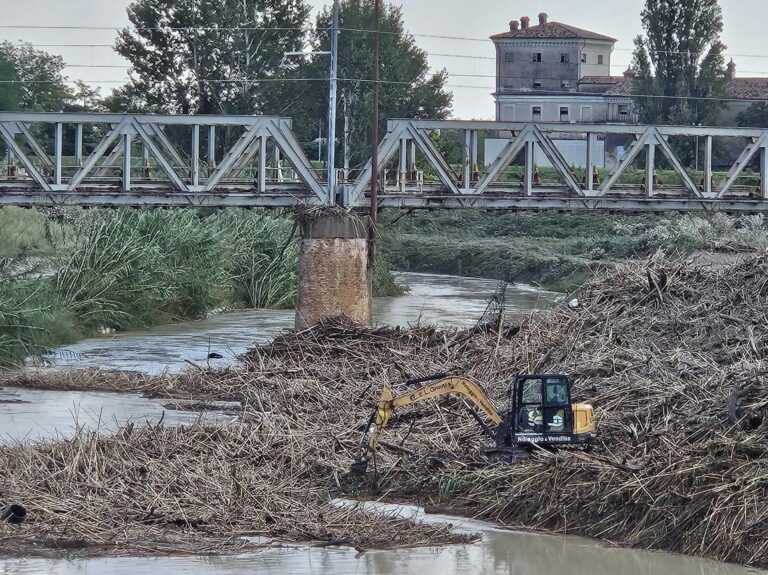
[
  {"x": 557, "y": 405},
  {"x": 531, "y": 416},
  {"x": 544, "y": 404}
]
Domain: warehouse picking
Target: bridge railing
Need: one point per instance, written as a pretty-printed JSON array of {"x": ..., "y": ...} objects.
[
  {"x": 132, "y": 159},
  {"x": 155, "y": 160},
  {"x": 432, "y": 164}
]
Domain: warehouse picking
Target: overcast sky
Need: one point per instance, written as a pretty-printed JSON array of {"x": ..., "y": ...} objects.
[{"x": 92, "y": 59}]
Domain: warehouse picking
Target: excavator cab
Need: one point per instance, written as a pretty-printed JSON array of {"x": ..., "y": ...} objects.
[{"x": 542, "y": 413}]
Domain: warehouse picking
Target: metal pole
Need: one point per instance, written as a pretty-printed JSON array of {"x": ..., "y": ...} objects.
[
  {"x": 697, "y": 152},
  {"x": 375, "y": 118},
  {"x": 331, "y": 160}
]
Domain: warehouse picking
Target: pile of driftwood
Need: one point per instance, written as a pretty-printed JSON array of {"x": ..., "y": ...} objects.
[
  {"x": 197, "y": 489},
  {"x": 673, "y": 357}
]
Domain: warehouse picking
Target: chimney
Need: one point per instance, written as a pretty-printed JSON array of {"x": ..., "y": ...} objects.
[
  {"x": 543, "y": 19},
  {"x": 731, "y": 70},
  {"x": 514, "y": 26},
  {"x": 525, "y": 22}
]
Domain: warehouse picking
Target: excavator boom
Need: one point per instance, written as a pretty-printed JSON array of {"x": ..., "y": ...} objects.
[{"x": 388, "y": 402}]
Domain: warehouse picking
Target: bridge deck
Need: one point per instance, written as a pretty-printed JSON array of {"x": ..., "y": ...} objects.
[{"x": 243, "y": 161}]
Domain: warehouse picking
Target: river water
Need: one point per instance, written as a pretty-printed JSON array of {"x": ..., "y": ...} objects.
[
  {"x": 499, "y": 552},
  {"x": 447, "y": 301}
]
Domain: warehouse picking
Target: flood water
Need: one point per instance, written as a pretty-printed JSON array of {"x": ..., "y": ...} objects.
[
  {"x": 446, "y": 301},
  {"x": 499, "y": 552},
  {"x": 29, "y": 415},
  {"x": 32, "y": 414}
]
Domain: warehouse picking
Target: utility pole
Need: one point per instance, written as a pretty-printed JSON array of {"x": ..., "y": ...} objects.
[
  {"x": 375, "y": 118},
  {"x": 331, "y": 155}
]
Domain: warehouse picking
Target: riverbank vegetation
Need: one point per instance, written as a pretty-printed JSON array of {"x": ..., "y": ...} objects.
[
  {"x": 72, "y": 274},
  {"x": 555, "y": 250},
  {"x": 678, "y": 464}
]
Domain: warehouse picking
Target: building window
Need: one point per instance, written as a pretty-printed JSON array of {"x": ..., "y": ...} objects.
[
  {"x": 536, "y": 113},
  {"x": 600, "y": 59},
  {"x": 565, "y": 84},
  {"x": 509, "y": 57},
  {"x": 537, "y": 84},
  {"x": 537, "y": 56},
  {"x": 583, "y": 58},
  {"x": 623, "y": 111},
  {"x": 565, "y": 58},
  {"x": 565, "y": 113}
]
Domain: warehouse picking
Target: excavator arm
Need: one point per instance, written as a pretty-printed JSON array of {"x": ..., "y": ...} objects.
[{"x": 437, "y": 387}]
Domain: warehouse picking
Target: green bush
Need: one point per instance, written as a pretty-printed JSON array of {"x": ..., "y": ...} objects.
[
  {"x": 32, "y": 320},
  {"x": 262, "y": 258},
  {"x": 133, "y": 269}
]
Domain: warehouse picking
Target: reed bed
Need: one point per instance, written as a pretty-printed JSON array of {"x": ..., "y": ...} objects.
[{"x": 673, "y": 357}]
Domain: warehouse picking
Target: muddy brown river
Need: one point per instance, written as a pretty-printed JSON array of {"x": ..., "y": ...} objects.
[{"x": 447, "y": 301}]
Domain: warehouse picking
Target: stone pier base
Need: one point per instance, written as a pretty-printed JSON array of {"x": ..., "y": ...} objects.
[{"x": 333, "y": 269}]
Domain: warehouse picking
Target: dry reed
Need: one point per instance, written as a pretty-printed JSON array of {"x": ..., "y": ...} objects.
[{"x": 673, "y": 357}]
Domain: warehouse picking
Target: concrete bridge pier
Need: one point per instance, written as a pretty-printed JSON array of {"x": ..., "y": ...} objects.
[{"x": 334, "y": 276}]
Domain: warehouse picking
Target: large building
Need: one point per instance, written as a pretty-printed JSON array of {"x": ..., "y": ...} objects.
[{"x": 554, "y": 72}]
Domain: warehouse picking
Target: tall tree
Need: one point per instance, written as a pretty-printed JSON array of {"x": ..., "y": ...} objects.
[
  {"x": 408, "y": 89},
  {"x": 198, "y": 56},
  {"x": 33, "y": 79},
  {"x": 10, "y": 88},
  {"x": 679, "y": 62},
  {"x": 756, "y": 116}
]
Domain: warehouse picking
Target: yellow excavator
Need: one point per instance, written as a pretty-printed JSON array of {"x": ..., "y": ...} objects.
[{"x": 541, "y": 413}]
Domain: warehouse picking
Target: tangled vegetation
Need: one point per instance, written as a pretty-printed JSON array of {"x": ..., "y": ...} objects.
[
  {"x": 671, "y": 355},
  {"x": 559, "y": 251}
]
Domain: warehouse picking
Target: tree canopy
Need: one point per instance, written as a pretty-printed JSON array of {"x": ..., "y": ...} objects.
[
  {"x": 32, "y": 79},
  {"x": 209, "y": 57},
  {"x": 679, "y": 63},
  {"x": 756, "y": 116},
  {"x": 408, "y": 89}
]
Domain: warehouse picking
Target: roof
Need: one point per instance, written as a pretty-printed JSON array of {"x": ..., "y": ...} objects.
[
  {"x": 748, "y": 88},
  {"x": 609, "y": 85},
  {"x": 607, "y": 80},
  {"x": 553, "y": 30},
  {"x": 622, "y": 88}
]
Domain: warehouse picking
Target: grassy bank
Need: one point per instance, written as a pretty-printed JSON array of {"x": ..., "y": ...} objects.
[{"x": 556, "y": 250}]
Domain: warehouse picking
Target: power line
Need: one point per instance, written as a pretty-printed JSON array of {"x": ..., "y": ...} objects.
[
  {"x": 392, "y": 82},
  {"x": 462, "y": 56},
  {"x": 34, "y": 45},
  {"x": 122, "y": 66},
  {"x": 295, "y": 29},
  {"x": 126, "y": 67},
  {"x": 154, "y": 28}
]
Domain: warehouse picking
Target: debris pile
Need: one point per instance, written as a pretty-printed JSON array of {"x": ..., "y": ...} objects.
[
  {"x": 195, "y": 489},
  {"x": 673, "y": 358}
]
